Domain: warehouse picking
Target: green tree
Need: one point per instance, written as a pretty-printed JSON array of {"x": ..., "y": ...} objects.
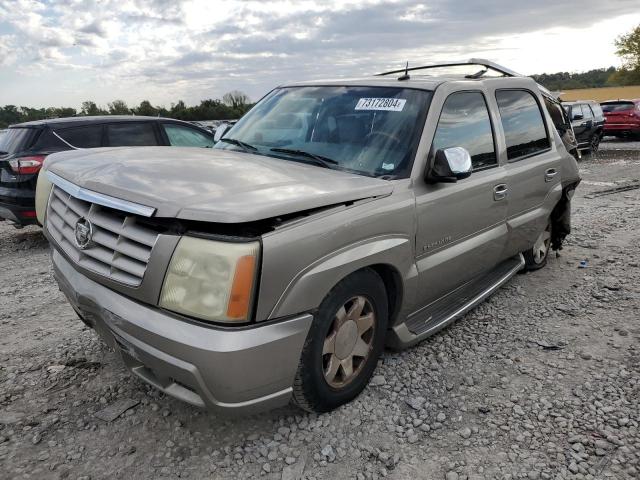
[
  {"x": 90, "y": 108},
  {"x": 628, "y": 49},
  {"x": 146, "y": 109},
  {"x": 235, "y": 99},
  {"x": 118, "y": 107}
]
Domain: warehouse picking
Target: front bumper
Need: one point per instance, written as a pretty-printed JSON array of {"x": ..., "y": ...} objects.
[{"x": 241, "y": 370}]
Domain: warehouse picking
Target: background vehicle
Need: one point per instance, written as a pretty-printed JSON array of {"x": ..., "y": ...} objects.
[
  {"x": 333, "y": 218},
  {"x": 587, "y": 120},
  {"x": 562, "y": 123},
  {"x": 622, "y": 118},
  {"x": 24, "y": 147}
]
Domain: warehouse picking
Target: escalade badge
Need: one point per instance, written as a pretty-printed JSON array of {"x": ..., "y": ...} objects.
[{"x": 83, "y": 233}]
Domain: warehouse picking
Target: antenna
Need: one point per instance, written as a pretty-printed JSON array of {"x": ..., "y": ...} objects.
[{"x": 406, "y": 74}]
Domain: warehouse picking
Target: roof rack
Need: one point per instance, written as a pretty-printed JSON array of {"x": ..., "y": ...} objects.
[{"x": 487, "y": 64}]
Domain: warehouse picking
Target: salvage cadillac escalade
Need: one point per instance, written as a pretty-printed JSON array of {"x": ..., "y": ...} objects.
[{"x": 335, "y": 218}]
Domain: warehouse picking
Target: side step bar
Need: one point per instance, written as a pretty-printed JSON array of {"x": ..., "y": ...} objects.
[{"x": 445, "y": 310}]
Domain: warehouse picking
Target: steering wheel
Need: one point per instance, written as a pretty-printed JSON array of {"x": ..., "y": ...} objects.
[{"x": 389, "y": 136}]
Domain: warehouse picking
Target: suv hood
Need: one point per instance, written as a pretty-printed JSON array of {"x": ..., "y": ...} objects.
[{"x": 211, "y": 185}]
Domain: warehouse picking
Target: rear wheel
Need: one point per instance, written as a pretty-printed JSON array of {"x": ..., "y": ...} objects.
[
  {"x": 594, "y": 144},
  {"x": 344, "y": 343},
  {"x": 536, "y": 257}
]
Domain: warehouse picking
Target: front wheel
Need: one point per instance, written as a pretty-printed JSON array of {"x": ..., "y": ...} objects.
[
  {"x": 343, "y": 344},
  {"x": 536, "y": 257}
]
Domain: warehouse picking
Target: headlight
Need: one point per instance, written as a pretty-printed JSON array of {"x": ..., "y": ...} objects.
[
  {"x": 211, "y": 280},
  {"x": 43, "y": 190}
]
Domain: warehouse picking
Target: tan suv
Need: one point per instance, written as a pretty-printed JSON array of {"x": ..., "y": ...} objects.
[{"x": 334, "y": 218}]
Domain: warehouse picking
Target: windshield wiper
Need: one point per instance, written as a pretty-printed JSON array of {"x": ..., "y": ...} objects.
[
  {"x": 247, "y": 147},
  {"x": 321, "y": 160}
]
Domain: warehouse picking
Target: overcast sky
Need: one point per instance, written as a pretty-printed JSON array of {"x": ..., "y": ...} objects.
[{"x": 59, "y": 53}]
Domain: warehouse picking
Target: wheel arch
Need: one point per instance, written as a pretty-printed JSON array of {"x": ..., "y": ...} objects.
[{"x": 390, "y": 257}]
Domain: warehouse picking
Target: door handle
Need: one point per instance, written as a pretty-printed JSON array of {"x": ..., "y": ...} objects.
[
  {"x": 500, "y": 192},
  {"x": 549, "y": 174}
]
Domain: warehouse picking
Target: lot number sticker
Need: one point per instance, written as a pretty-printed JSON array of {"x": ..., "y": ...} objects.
[{"x": 387, "y": 104}]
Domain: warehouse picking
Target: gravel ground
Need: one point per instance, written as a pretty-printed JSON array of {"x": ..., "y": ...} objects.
[{"x": 541, "y": 381}]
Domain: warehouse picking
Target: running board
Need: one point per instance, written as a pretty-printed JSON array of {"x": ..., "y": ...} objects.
[{"x": 445, "y": 310}]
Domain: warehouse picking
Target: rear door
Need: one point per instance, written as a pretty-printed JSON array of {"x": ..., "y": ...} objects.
[
  {"x": 533, "y": 166},
  {"x": 578, "y": 123},
  {"x": 132, "y": 134},
  {"x": 461, "y": 230}
]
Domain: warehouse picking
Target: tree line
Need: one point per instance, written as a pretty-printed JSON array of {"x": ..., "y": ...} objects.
[
  {"x": 627, "y": 48},
  {"x": 600, "y": 77},
  {"x": 232, "y": 105}
]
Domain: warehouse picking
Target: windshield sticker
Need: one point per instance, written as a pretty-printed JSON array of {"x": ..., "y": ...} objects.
[
  {"x": 388, "y": 166},
  {"x": 387, "y": 104}
]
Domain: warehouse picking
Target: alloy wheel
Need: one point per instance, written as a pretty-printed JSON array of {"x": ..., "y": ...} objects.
[
  {"x": 349, "y": 342},
  {"x": 541, "y": 247}
]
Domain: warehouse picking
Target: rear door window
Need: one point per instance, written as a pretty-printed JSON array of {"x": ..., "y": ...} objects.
[
  {"x": 16, "y": 139},
  {"x": 88, "y": 136},
  {"x": 576, "y": 110},
  {"x": 464, "y": 122},
  {"x": 597, "y": 111},
  {"x": 524, "y": 128},
  {"x": 131, "y": 134},
  {"x": 586, "y": 112},
  {"x": 182, "y": 136}
]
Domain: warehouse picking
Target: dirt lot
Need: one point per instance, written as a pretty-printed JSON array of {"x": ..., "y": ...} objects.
[{"x": 541, "y": 381}]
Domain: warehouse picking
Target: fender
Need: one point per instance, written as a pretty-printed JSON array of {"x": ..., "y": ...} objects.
[{"x": 310, "y": 286}]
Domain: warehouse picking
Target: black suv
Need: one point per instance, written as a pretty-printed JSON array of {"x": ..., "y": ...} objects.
[
  {"x": 587, "y": 120},
  {"x": 23, "y": 148}
]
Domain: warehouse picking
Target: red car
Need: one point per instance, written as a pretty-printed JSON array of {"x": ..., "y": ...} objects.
[{"x": 622, "y": 118}]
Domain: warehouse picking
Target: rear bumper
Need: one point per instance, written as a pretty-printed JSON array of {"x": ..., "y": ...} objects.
[
  {"x": 621, "y": 128},
  {"x": 18, "y": 214},
  {"x": 231, "y": 370}
]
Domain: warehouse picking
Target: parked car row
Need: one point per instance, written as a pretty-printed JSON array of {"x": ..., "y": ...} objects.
[
  {"x": 24, "y": 147},
  {"x": 592, "y": 120}
]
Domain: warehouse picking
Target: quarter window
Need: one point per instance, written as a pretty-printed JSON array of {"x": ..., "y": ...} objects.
[
  {"x": 522, "y": 122},
  {"x": 464, "y": 122},
  {"x": 180, "y": 136},
  {"x": 130, "y": 134}
]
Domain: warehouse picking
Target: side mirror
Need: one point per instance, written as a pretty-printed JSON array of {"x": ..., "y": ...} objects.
[
  {"x": 450, "y": 165},
  {"x": 577, "y": 117},
  {"x": 220, "y": 131}
]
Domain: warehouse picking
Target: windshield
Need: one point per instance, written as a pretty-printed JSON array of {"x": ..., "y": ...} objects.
[
  {"x": 616, "y": 106},
  {"x": 369, "y": 130}
]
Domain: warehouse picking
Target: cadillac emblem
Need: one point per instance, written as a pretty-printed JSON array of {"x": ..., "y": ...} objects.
[{"x": 83, "y": 233}]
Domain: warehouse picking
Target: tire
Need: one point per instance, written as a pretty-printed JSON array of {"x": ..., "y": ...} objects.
[
  {"x": 594, "y": 142},
  {"x": 536, "y": 257},
  {"x": 322, "y": 382}
]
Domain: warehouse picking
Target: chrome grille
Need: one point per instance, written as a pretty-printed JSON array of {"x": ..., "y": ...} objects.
[{"x": 120, "y": 247}]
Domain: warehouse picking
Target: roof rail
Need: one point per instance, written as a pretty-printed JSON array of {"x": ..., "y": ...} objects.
[
  {"x": 488, "y": 64},
  {"x": 472, "y": 61}
]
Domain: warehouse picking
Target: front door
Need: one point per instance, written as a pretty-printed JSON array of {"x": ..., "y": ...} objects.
[{"x": 461, "y": 230}]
